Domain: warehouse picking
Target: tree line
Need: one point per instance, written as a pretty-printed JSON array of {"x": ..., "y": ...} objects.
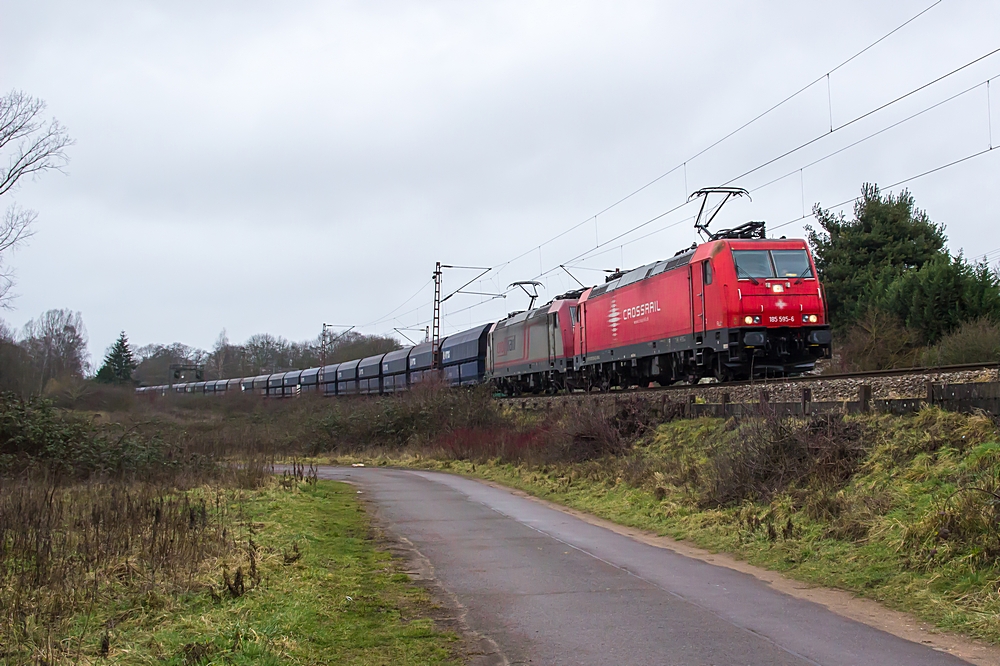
[
  {"x": 49, "y": 355},
  {"x": 262, "y": 353}
]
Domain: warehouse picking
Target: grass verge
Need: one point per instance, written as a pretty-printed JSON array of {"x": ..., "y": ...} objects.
[{"x": 317, "y": 591}]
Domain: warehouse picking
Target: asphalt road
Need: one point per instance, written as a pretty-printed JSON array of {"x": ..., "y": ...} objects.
[{"x": 549, "y": 588}]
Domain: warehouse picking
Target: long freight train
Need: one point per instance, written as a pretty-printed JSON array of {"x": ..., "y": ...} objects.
[{"x": 737, "y": 306}]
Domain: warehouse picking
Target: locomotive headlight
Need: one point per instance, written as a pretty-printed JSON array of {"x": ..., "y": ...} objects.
[
  {"x": 748, "y": 319},
  {"x": 813, "y": 319},
  {"x": 777, "y": 288}
]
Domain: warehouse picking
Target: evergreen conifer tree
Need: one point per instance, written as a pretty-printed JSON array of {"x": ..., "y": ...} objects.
[
  {"x": 119, "y": 363},
  {"x": 888, "y": 236}
]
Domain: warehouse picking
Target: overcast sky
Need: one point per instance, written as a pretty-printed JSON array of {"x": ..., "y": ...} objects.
[{"x": 267, "y": 167}]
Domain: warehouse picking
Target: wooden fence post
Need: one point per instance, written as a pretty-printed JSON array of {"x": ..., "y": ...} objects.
[
  {"x": 807, "y": 396},
  {"x": 865, "y": 398}
]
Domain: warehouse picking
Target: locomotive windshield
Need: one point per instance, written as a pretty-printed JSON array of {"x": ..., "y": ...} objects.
[
  {"x": 772, "y": 263},
  {"x": 791, "y": 263},
  {"x": 753, "y": 264}
]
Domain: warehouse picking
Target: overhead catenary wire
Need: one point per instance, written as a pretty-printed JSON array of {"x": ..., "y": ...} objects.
[
  {"x": 717, "y": 142},
  {"x": 846, "y": 201},
  {"x": 822, "y": 136},
  {"x": 890, "y": 186},
  {"x": 899, "y": 182},
  {"x": 874, "y": 134},
  {"x": 866, "y": 114},
  {"x": 862, "y": 116},
  {"x": 392, "y": 312},
  {"x": 833, "y": 129}
]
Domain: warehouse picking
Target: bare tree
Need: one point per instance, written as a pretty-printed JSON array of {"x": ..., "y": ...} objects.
[
  {"x": 266, "y": 353},
  {"x": 153, "y": 361},
  {"x": 224, "y": 359},
  {"x": 305, "y": 354},
  {"x": 358, "y": 345},
  {"x": 56, "y": 342},
  {"x": 29, "y": 145}
]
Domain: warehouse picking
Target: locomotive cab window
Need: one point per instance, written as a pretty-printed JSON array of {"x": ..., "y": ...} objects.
[
  {"x": 753, "y": 264},
  {"x": 706, "y": 272},
  {"x": 791, "y": 263}
]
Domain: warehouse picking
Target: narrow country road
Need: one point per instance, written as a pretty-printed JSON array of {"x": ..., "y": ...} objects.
[{"x": 550, "y": 588}]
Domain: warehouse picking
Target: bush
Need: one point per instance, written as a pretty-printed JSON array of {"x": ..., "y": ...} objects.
[
  {"x": 937, "y": 298},
  {"x": 878, "y": 341},
  {"x": 974, "y": 342},
  {"x": 76, "y": 393},
  {"x": 595, "y": 429},
  {"x": 417, "y": 417},
  {"x": 572, "y": 432},
  {"x": 35, "y": 437},
  {"x": 769, "y": 454}
]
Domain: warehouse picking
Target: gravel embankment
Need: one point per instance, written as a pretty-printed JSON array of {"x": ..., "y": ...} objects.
[{"x": 823, "y": 390}]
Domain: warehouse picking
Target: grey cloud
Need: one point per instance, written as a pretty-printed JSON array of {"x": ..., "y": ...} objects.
[{"x": 266, "y": 169}]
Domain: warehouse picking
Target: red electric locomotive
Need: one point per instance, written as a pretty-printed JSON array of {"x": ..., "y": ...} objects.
[{"x": 739, "y": 305}]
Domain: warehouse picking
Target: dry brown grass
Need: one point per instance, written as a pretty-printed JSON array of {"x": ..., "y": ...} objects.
[{"x": 109, "y": 511}]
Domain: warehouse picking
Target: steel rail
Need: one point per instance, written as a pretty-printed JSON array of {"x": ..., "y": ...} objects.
[{"x": 771, "y": 381}]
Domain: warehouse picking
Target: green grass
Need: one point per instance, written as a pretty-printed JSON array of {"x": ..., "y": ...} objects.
[
  {"x": 342, "y": 601},
  {"x": 878, "y": 533}
]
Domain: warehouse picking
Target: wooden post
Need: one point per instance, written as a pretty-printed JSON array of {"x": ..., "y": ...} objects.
[
  {"x": 865, "y": 398},
  {"x": 690, "y": 406},
  {"x": 807, "y": 396},
  {"x": 929, "y": 386},
  {"x": 725, "y": 405},
  {"x": 761, "y": 409}
]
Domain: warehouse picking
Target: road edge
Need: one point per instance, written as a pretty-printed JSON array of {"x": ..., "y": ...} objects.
[{"x": 477, "y": 648}]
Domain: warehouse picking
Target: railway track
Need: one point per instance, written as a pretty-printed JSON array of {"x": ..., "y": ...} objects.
[{"x": 788, "y": 385}]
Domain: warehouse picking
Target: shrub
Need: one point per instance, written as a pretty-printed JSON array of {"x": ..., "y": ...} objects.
[
  {"x": 974, "y": 342},
  {"x": 416, "y": 417},
  {"x": 768, "y": 454},
  {"x": 76, "y": 393},
  {"x": 935, "y": 299},
  {"x": 594, "y": 429},
  {"x": 878, "y": 341}
]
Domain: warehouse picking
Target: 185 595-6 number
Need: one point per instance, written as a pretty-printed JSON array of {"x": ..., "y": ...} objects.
[{"x": 782, "y": 319}]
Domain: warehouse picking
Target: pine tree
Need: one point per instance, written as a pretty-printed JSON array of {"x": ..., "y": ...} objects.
[
  {"x": 888, "y": 236},
  {"x": 119, "y": 363}
]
